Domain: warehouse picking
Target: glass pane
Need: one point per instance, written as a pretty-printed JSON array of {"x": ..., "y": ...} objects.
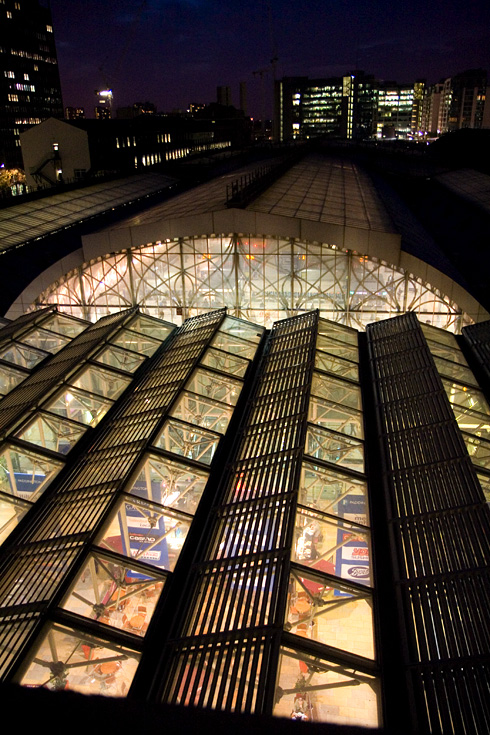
[
  {"x": 102, "y": 382},
  {"x": 226, "y": 363},
  {"x": 452, "y": 353},
  {"x": 338, "y": 349},
  {"x": 240, "y": 328},
  {"x": 78, "y": 406},
  {"x": 188, "y": 441},
  {"x": 335, "y": 448},
  {"x": 120, "y": 359},
  {"x": 171, "y": 484},
  {"x": 330, "y": 613},
  {"x": 202, "y": 412},
  {"x": 485, "y": 485},
  {"x": 9, "y": 378},
  {"x": 331, "y": 364},
  {"x": 62, "y": 324},
  {"x": 455, "y": 370},
  {"x": 147, "y": 532},
  {"x": 24, "y": 474},
  {"x": 335, "y": 417},
  {"x": 157, "y": 329},
  {"x": 235, "y": 345},
  {"x": 136, "y": 342},
  {"x": 440, "y": 335},
  {"x": 333, "y": 492},
  {"x": 115, "y": 595},
  {"x": 313, "y": 689},
  {"x": 332, "y": 546},
  {"x": 337, "y": 331},
  {"x": 215, "y": 387},
  {"x": 45, "y": 340},
  {"x": 467, "y": 396},
  {"x": 478, "y": 449},
  {"x": 53, "y": 433},
  {"x": 11, "y": 513},
  {"x": 338, "y": 391},
  {"x": 473, "y": 423},
  {"x": 70, "y": 659},
  {"x": 22, "y": 355}
]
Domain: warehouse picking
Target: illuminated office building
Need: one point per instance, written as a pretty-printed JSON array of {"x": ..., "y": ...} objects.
[
  {"x": 30, "y": 89},
  {"x": 398, "y": 110}
]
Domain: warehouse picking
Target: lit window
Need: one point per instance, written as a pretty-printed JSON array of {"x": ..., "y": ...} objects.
[
  {"x": 49, "y": 29},
  {"x": 26, "y": 77},
  {"x": 9, "y": 74},
  {"x": 9, "y": 14}
]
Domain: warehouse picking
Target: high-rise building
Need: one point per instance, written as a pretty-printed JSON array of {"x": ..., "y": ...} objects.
[
  {"x": 308, "y": 108},
  {"x": 223, "y": 95},
  {"x": 243, "y": 97},
  {"x": 395, "y": 112},
  {"x": 465, "y": 96},
  {"x": 30, "y": 88},
  {"x": 289, "y": 521},
  {"x": 103, "y": 108}
]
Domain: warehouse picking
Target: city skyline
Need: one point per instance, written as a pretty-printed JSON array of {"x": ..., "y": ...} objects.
[{"x": 186, "y": 48}]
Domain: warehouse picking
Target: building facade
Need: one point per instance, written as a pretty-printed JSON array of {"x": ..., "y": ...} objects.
[
  {"x": 356, "y": 106},
  {"x": 68, "y": 150},
  {"x": 30, "y": 89},
  {"x": 289, "y": 521}
]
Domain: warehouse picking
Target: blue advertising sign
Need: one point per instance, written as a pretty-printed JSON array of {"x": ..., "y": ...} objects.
[{"x": 352, "y": 557}]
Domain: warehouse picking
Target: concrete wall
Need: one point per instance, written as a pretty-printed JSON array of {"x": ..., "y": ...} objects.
[{"x": 39, "y": 154}]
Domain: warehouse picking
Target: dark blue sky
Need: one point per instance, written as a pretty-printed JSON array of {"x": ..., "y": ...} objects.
[{"x": 173, "y": 52}]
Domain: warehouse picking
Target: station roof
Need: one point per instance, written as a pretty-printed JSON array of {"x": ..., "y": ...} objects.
[{"x": 34, "y": 219}]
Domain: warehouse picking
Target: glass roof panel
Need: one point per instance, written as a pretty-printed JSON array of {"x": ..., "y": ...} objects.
[
  {"x": 22, "y": 355},
  {"x": 202, "y": 412},
  {"x": 100, "y": 381},
  {"x": 225, "y": 362},
  {"x": 332, "y": 613},
  {"x": 9, "y": 378},
  {"x": 170, "y": 483},
  {"x": 115, "y": 594},
  {"x": 147, "y": 532},
  {"x": 333, "y": 546},
  {"x": 66, "y": 658},
  {"x": 79, "y": 406},
  {"x": 52, "y": 432},
  {"x": 25, "y": 474}
]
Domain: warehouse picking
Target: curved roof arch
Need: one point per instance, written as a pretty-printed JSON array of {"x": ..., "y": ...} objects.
[
  {"x": 319, "y": 237},
  {"x": 261, "y": 279}
]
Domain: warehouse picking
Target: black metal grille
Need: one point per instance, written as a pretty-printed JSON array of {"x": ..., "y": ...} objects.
[
  {"x": 52, "y": 542},
  {"x": 225, "y": 649},
  {"x": 440, "y": 534}
]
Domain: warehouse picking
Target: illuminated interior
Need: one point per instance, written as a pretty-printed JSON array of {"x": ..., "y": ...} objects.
[{"x": 260, "y": 279}]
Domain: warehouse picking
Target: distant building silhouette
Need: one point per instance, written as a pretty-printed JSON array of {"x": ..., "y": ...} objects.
[
  {"x": 223, "y": 96},
  {"x": 74, "y": 113}
]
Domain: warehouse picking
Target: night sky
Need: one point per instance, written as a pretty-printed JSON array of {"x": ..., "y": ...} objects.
[{"x": 173, "y": 52}]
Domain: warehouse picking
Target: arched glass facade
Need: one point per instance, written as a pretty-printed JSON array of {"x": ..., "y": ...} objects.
[{"x": 261, "y": 279}]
